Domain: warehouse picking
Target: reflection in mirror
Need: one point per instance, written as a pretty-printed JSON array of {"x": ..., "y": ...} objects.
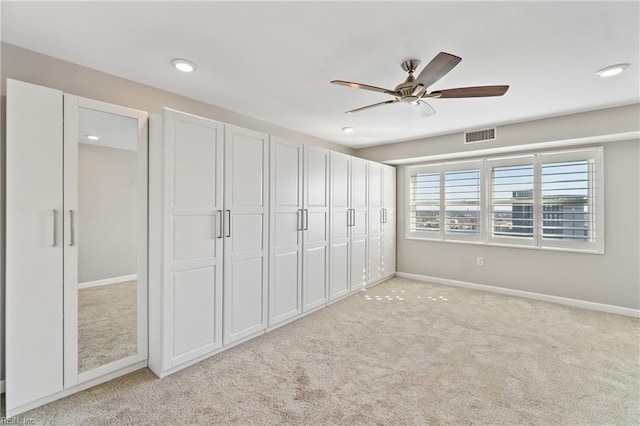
[{"x": 107, "y": 238}]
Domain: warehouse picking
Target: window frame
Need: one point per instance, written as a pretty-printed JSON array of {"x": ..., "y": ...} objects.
[
  {"x": 490, "y": 164},
  {"x": 596, "y": 199},
  {"x": 442, "y": 169}
]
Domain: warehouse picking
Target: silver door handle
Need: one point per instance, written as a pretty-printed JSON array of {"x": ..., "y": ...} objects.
[
  {"x": 220, "y": 224},
  {"x": 228, "y": 223},
  {"x": 306, "y": 219},
  {"x": 384, "y": 215},
  {"x": 55, "y": 228},
  {"x": 353, "y": 223},
  {"x": 299, "y": 226},
  {"x": 348, "y": 218},
  {"x": 72, "y": 229}
]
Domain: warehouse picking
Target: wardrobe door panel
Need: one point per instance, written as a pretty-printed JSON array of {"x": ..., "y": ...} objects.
[
  {"x": 194, "y": 163},
  {"x": 359, "y": 223},
  {"x": 375, "y": 199},
  {"x": 243, "y": 316},
  {"x": 193, "y": 237},
  {"x": 374, "y": 256},
  {"x": 389, "y": 226},
  {"x": 339, "y": 250},
  {"x": 359, "y": 169},
  {"x": 285, "y": 283},
  {"x": 358, "y": 262},
  {"x": 194, "y": 300},
  {"x": 34, "y": 246},
  {"x": 285, "y": 288},
  {"x": 316, "y": 227},
  {"x": 376, "y": 222},
  {"x": 316, "y": 274},
  {"x": 339, "y": 270},
  {"x": 388, "y": 254},
  {"x": 246, "y": 233}
]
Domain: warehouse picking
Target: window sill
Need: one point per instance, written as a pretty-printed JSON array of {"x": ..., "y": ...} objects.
[{"x": 506, "y": 245}]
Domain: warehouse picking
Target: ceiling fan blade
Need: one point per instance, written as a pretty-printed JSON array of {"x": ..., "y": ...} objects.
[
  {"x": 436, "y": 69},
  {"x": 470, "y": 92},
  {"x": 421, "y": 108},
  {"x": 392, "y": 101},
  {"x": 363, "y": 86}
]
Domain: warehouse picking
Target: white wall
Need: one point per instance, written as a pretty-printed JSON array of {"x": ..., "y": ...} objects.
[
  {"x": 612, "y": 278},
  {"x": 107, "y": 218},
  {"x": 36, "y": 68}
]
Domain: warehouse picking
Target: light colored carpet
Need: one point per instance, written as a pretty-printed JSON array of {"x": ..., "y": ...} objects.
[
  {"x": 107, "y": 324},
  {"x": 402, "y": 352}
]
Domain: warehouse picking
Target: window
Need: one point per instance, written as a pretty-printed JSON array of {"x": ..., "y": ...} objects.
[
  {"x": 512, "y": 199},
  {"x": 424, "y": 214},
  {"x": 550, "y": 200},
  {"x": 462, "y": 202}
]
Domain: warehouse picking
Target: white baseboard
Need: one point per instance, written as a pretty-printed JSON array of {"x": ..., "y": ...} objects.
[
  {"x": 620, "y": 310},
  {"x": 107, "y": 281}
]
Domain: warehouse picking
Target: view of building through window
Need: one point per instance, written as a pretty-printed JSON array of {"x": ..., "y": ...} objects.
[{"x": 564, "y": 197}]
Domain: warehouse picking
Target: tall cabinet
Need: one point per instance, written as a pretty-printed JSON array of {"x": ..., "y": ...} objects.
[
  {"x": 349, "y": 229},
  {"x": 246, "y": 180},
  {"x": 187, "y": 307},
  {"x": 34, "y": 244},
  {"x": 208, "y": 258},
  {"x": 376, "y": 223},
  {"x": 382, "y": 224},
  {"x": 299, "y": 229},
  {"x": 358, "y": 226},
  {"x": 49, "y": 342},
  {"x": 388, "y": 263}
]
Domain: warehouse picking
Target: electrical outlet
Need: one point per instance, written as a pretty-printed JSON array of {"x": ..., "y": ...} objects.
[{"x": 480, "y": 261}]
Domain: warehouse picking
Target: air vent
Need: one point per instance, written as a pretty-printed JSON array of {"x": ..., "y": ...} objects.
[{"x": 480, "y": 136}]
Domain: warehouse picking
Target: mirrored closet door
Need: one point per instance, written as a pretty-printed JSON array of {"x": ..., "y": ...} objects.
[{"x": 105, "y": 263}]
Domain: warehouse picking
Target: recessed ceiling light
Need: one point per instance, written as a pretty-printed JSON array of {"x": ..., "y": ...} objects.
[
  {"x": 93, "y": 137},
  {"x": 612, "y": 70},
  {"x": 348, "y": 129},
  {"x": 184, "y": 65}
]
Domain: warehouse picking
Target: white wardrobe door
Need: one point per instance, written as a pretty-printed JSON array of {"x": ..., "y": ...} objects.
[
  {"x": 34, "y": 256},
  {"x": 246, "y": 233},
  {"x": 339, "y": 226},
  {"x": 389, "y": 226},
  {"x": 193, "y": 249},
  {"x": 285, "y": 271},
  {"x": 388, "y": 254},
  {"x": 376, "y": 218},
  {"x": 375, "y": 198},
  {"x": 316, "y": 227},
  {"x": 358, "y": 242}
]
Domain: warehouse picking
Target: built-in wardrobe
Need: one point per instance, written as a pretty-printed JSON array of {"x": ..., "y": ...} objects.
[
  {"x": 244, "y": 232},
  {"x": 76, "y": 244},
  {"x": 250, "y": 231}
]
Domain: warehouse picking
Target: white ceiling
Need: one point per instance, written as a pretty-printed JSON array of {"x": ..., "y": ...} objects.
[{"x": 274, "y": 60}]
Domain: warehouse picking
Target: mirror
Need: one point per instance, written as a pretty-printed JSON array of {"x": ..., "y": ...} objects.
[
  {"x": 105, "y": 222},
  {"x": 107, "y": 249}
]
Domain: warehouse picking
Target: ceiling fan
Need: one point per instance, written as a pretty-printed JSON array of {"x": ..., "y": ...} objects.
[{"x": 414, "y": 89}]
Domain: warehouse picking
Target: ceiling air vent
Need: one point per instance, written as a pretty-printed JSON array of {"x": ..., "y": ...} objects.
[{"x": 480, "y": 136}]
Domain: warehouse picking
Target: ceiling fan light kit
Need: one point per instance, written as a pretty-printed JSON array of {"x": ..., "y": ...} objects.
[{"x": 414, "y": 89}]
